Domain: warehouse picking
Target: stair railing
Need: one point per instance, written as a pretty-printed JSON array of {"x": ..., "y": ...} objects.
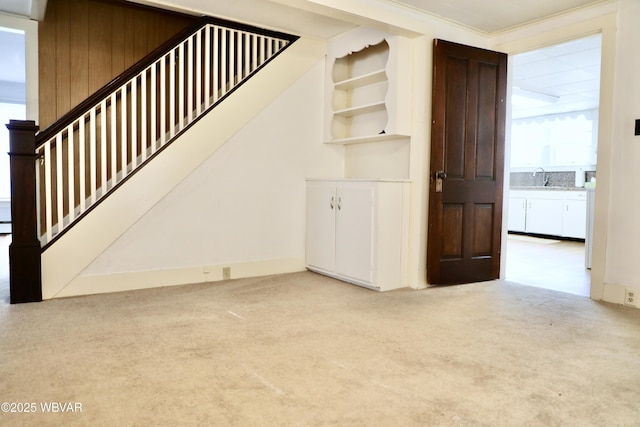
[{"x": 87, "y": 154}]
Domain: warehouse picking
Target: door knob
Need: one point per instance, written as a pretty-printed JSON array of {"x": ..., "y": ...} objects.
[{"x": 440, "y": 175}]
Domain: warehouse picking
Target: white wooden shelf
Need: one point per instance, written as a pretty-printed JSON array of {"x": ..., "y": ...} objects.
[
  {"x": 363, "y": 80},
  {"x": 368, "y": 88},
  {"x": 360, "y": 109},
  {"x": 368, "y": 138}
]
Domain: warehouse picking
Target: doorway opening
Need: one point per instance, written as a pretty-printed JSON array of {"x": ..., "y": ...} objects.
[
  {"x": 552, "y": 166},
  {"x": 12, "y": 107}
]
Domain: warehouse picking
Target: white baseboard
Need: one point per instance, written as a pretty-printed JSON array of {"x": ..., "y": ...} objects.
[{"x": 88, "y": 285}]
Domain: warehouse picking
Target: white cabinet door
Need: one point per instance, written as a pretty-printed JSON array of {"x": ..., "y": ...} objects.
[
  {"x": 357, "y": 231},
  {"x": 544, "y": 216},
  {"x": 354, "y": 233},
  {"x": 321, "y": 224},
  {"x": 517, "y": 214},
  {"x": 574, "y": 220}
]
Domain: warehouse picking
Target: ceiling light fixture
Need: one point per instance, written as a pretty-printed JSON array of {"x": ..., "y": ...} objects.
[{"x": 525, "y": 98}]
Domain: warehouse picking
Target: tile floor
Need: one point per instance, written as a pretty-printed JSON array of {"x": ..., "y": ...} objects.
[{"x": 548, "y": 263}]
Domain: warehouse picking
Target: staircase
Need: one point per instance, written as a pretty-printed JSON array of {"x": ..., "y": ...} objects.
[{"x": 111, "y": 159}]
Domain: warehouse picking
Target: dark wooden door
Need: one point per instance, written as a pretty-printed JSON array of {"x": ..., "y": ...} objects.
[{"x": 467, "y": 164}]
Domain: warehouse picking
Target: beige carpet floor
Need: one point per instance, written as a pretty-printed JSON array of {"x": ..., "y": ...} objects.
[{"x": 301, "y": 349}]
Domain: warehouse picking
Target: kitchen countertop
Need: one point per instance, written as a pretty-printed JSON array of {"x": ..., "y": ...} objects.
[{"x": 538, "y": 187}]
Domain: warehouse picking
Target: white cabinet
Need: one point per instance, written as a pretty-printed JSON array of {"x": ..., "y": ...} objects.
[
  {"x": 574, "y": 217},
  {"x": 357, "y": 231},
  {"x": 544, "y": 216},
  {"x": 368, "y": 87},
  {"x": 551, "y": 212},
  {"x": 517, "y": 214}
]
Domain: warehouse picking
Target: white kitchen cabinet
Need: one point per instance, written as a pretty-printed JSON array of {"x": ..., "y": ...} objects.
[
  {"x": 559, "y": 213},
  {"x": 574, "y": 216},
  {"x": 544, "y": 216},
  {"x": 517, "y": 214},
  {"x": 357, "y": 231}
]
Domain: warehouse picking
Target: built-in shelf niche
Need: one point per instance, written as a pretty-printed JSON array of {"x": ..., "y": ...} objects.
[{"x": 368, "y": 101}]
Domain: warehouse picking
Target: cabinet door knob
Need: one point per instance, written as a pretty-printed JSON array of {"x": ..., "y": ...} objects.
[
  {"x": 339, "y": 203},
  {"x": 331, "y": 203}
]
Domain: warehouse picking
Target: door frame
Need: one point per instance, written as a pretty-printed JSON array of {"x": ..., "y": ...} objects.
[
  {"x": 528, "y": 39},
  {"x": 30, "y": 29}
]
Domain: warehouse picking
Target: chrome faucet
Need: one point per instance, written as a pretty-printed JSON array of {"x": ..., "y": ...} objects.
[{"x": 545, "y": 180}]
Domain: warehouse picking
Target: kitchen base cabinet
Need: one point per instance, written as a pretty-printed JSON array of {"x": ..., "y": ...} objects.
[
  {"x": 544, "y": 216},
  {"x": 357, "y": 231},
  {"x": 517, "y": 214},
  {"x": 574, "y": 216},
  {"x": 561, "y": 213}
]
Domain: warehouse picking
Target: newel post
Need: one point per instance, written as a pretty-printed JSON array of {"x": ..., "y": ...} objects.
[{"x": 24, "y": 252}]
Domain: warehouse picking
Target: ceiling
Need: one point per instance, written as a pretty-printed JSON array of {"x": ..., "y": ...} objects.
[
  {"x": 306, "y": 16},
  {"x": 297, "y": 16},
  {"x": 557, "y": 79},
  {"x": 567, "y": 75},
  {"x": 490, "y": 16}
]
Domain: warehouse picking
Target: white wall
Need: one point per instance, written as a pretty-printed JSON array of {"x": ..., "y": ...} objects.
[
  {"x": 623, "y": 231},
  {"x": 245, "y": 204}
]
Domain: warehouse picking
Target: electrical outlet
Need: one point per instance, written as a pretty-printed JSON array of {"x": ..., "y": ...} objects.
[
  {"x": 632, "y": 297},
  {"x": 226, "y": 273}
]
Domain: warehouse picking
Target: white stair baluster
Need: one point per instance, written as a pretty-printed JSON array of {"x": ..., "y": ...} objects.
[
  {"x": 103, "y": 147},
  {"x": 199, "y": 73},
  {"x": 114, "y": 140},
  {"x": 47, "y": 191},
  {"x": 190, "y": 80},
  {"x": 134, "y": 123},
  {"x": 124, "y": 139},
  {"x": 59, "y": 188},
  {"x": 82, "y": 165},
  {"x": 223, "y": 62},
  {"x": 207, "y": 67},
  {"x": 172, "y": 94},
  {"x": 247, "y": 54},
  {"x": 181, "y": 83},
  {"x": 143, "y": 115},
  {"x": 255, "y": 40},
  {"x": 232, "y": 62},
  {"x": 153, "y": 114},
  {"x": 39, "y": 161},
  {"x": 154, "y": 108},
  {"x": 216, "y": 64},
  {"x": 71, "y": 171},
  {"x": 163, "y": 100},
  {"x": 92, "y": 155}
]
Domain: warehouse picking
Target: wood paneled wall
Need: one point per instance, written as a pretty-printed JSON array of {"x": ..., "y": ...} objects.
[{"x": 84, "y": 44}]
